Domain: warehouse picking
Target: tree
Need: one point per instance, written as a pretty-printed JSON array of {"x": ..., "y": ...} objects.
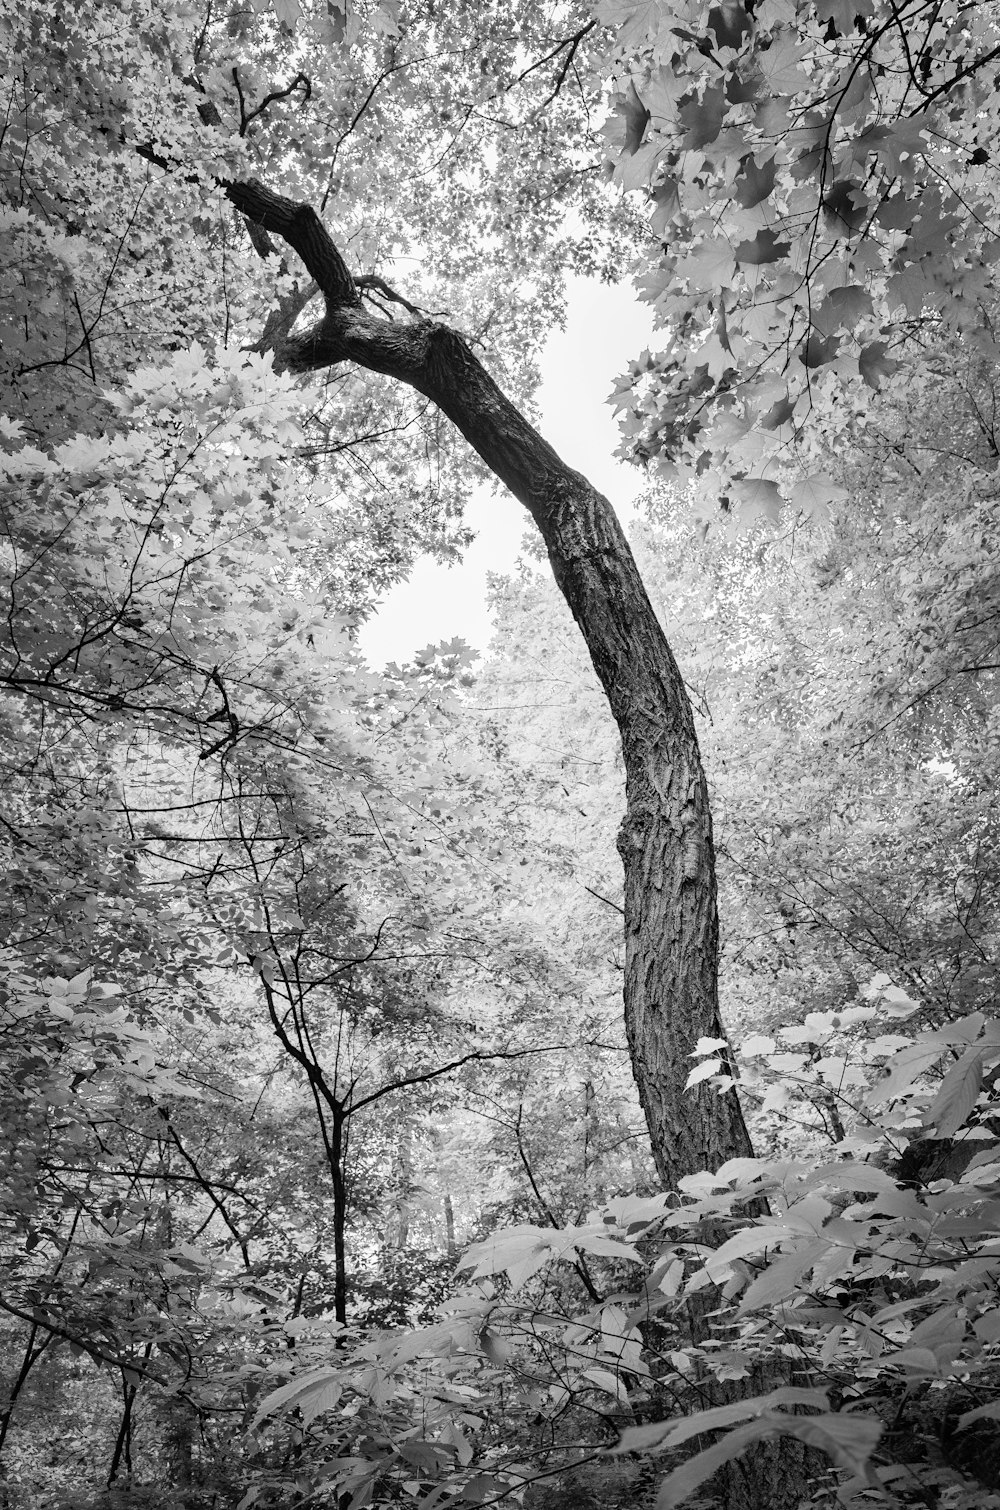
[
  {"x": 666, "y": 840},
  {"x": 879, "y": 854}
]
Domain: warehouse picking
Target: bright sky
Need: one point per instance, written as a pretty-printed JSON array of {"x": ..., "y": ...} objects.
[{"x": 604, "y": 328}]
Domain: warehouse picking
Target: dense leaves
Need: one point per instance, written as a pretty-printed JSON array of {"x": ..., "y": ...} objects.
[{"x": 821, "y": 176}]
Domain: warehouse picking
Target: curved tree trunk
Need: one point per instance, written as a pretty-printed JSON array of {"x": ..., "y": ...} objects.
[
  {"x": 665, "y": 841},
  {"x": 671, "y": 924}
]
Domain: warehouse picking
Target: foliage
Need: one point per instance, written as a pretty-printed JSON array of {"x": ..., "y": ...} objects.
[
  {"x": 882, "y": 1287},
  {"x": 821, "y": 178}
]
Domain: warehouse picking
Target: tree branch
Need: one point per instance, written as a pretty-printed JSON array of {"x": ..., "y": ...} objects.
[
  {"x": 305, "y": 233},
  {"x": 38, "y": 1318},
  {"x": 446, "y": 1069}
]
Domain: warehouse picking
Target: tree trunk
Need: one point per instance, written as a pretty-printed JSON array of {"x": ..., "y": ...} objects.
[
  {"x": 337, "y": 1155},
  {"x": 399, "y": 1233},
  {"x": 671, "y": 924},
  {"x": 449, "y": 1228}
]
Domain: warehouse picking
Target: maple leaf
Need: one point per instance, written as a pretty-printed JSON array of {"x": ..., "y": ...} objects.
[
  {"x": 842, "y": 307},
  {"x": 336, "y": 21},
  {"x": 813, "y": 495},
  {"x": 634, "y": 169},
  {"x": 666, "y": 198},
  {"x": 765, "y": 247},
  {"x": 895, "y": 213},
  {"x": 817, "y": 350},
  {"x": 636, "y": 118},
  {"x": 911, "y": 288},
  {"x": 874, "y": 364},
  {"x": 898, "y": 144},
  {"x": 846, "y": 205},
  {"x": 288, "y": 12},
  {"x": 780, "y": 66},
  {"x": 754, "y": 183},
  {"x": 744, "y": 87},
  {"x": 710, "y": 266},
  {"x": 853, "y": 92},
  {"x": 702, "y": 119},
  {"x": 844, "y": 13},
  {"x": 759, "y": 496},
  {"x": 772, "y": 116},
  {"x": 779, "y": 413},
  {"x": 635, "y": 20}
]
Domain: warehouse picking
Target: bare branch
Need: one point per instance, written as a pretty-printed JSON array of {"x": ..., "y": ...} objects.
[{"x": 446, "y": 1069}]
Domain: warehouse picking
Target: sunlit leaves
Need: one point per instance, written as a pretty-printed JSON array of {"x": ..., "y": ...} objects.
[
  {"x": 759, "y": 496},
  {"x": 521, "y": 1252},
  {"x": 815, "y": 494},
  {"x": 856, "y": 209}
]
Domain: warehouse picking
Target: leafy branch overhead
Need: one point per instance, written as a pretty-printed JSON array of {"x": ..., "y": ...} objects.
[{"x": 821, "y": 175}]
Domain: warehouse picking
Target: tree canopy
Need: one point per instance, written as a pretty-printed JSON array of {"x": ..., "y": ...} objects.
[{"x": 823, "y": 184}]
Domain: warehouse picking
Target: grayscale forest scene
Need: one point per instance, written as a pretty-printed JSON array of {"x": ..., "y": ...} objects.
[{"x": 499, "y": 754}]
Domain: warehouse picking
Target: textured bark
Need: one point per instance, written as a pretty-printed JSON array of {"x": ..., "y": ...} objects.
[
  {"x": 671, "y": 925},
  {"x": 337, "y": 1159}
]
